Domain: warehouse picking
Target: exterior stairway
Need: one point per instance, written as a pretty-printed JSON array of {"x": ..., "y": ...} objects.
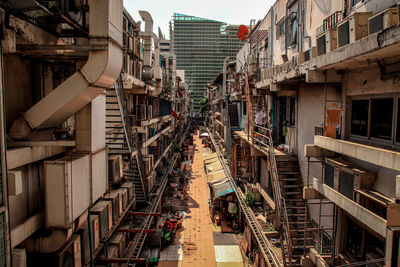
[
  {"x": 133, "y": 175},
  {"x": 115, "y": 135},
  {"x": 233, "y": 116},
  {"x": 291, "y": 184}
]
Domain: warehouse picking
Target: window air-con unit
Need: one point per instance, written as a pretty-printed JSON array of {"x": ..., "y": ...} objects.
[
  {"x": 383, "y": 20},
  {"x": 307, "y": 55},
  {"x": 67, "y": 190},
  {"x": 353, "y": 28},
  {"x": 116, "y": 202},
  {"x": 117, "y": 240},
  {"x": 131, "y": 190},
  {"x": 333, "y": 168},
  {"x": 86, "y": 237},
  {"x": 327, "y": 41},
  {"x": 68, "y": 256},
  {"x": 115, "y": 168},
  {"x": 103, "y": 209},
  {"x": 141, "y": 112},
  {"x": 124, "y": 195},
  {"x": 346, "y": 182}
]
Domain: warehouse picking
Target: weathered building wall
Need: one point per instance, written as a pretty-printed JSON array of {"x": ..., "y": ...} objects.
[{"x": 17, "y": 84}]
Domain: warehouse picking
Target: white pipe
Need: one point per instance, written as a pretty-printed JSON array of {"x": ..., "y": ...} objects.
[{"x": 99, "y": 73}]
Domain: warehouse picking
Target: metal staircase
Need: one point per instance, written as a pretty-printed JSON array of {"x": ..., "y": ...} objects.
[
  {"x": 119, "y": 137},
  {"x": 291, "y": 184},
  {"x": 262, "y": 138},
  {"x": 233, "y": 116},
  {"x": 133, "y": 175},
  {"x": 122, "y": 140}
]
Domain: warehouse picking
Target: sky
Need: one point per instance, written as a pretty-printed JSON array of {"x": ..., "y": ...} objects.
[{"x": 231, "y": 11}]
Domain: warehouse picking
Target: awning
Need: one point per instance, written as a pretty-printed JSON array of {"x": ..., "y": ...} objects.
[
  {"x": 210, "y": 156},
  {"x": 213, "y": 177},
  {"x": 222, "y": 188},
  {"x": 210, "y": 161},
  {"x": 216, "y": 166}
]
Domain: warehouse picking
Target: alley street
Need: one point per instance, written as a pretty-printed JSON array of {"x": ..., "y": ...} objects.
[{"x": 198, "y": 249}]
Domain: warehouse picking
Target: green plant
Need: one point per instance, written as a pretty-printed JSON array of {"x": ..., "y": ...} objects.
[{"x": 250, "y": 199}]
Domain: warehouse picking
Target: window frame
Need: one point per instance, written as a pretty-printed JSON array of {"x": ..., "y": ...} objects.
[{"x": 395, "y": 120}]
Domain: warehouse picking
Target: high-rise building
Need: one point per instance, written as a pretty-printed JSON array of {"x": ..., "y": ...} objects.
[{"x": 200, "y": 46}]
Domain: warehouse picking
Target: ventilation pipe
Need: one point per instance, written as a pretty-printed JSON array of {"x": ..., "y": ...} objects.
[
  {"x": 147, "y": 35},
  {"x": 99, "y": 73}
]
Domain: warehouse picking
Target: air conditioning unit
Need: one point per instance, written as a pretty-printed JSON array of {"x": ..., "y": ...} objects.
[
  {"x": 117, "y": 240},
  {"x": 327, "y": 41},
  {"x": 333, "y": 168},
  {"x": 103, "y": 210},
  {"x": 68, "y": 256},
  {"x": 383, "y": 20},
  {"x": 116, "y": 202},
  {"x": 123, "y": 192},
  {"x": 115, "y": 168},
  {"x": 86, "y": 238},
  {"x": 307, "y": 55},
  {"x": 141, "y": 112},
  {"x": 363, "y": 179},
  {"x": 67, "y": 190},
  {"x": 353, "y": 28},
  {"x": 131, "y": 190},
  {"x": 345, "y": 179}
]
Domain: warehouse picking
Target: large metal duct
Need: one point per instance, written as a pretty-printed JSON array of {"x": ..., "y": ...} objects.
[
  {"x": 150, "y": 71},
  {"x": 99, "y": 73}
]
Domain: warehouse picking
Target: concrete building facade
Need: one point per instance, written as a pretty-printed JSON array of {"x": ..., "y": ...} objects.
[
  {"x": 314, "y": 98},
  {"x": 91, "y": 113}
]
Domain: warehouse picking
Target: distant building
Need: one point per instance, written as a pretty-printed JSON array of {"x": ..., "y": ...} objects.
[{"x": 200, "y": 46}]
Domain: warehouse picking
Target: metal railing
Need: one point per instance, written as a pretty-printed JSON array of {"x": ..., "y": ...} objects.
[
  {"x": 332, "y": 21},
  {"x": 123, "y": 108},
  {"x": 262, "y": 242},
  {"x": 263, "y": 138}
]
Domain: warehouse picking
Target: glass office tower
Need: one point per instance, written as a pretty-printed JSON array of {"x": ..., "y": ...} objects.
[{"x": 200, "y": 46}]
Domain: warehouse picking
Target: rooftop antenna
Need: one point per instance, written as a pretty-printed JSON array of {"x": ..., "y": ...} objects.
[{"x": 252, "y": 23}]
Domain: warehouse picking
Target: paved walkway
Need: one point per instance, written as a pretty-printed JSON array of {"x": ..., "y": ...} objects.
[
  {"x": 198, "y": 249},
  {"x": 200, "y": 242}
]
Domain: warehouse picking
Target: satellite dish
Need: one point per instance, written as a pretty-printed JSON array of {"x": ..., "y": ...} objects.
[{"x": 242, "y": 33}]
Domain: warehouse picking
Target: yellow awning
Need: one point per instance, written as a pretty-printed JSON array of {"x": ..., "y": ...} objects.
[
  {"x": 216, "y": 176},
  {"x": 216, "y": 166},
  {"x": 210, "y": 156},
  {"x": 210, "y": 161}
]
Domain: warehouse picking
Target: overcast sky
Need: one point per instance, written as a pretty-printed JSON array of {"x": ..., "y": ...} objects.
[{"x": 230, "y": 11}]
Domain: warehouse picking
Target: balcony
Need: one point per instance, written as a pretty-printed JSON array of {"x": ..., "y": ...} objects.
[{"x": 378, "y": 156}]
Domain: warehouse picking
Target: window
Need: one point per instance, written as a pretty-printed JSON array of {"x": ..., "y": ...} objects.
[
  {"x": 244, "y": 108},
  {"x": 382, "y": 118},
  {"x": 359, "y": 117},
  {"x": 376, "y": 118}
]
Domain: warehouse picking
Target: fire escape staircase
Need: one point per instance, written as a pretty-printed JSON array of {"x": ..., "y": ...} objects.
[
  {"x": 233, "y": 117},
  {"x": 290, "y": 205},
  {"x": 121, "y": 139}
]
